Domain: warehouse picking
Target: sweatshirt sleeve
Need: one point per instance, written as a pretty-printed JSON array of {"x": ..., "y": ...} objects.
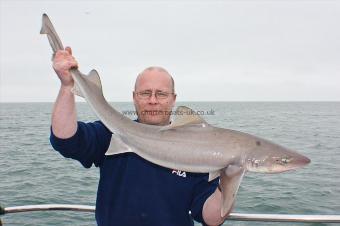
[
  {"x": 202, "y": 192},
  {"x": 88, "y": 145}
]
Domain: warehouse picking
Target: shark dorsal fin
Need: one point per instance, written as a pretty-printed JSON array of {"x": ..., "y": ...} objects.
[
  {"x": 185, "y": 116},
  {"x": 93, "y": 77}
]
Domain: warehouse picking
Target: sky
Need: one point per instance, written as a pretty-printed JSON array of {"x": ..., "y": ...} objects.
[{"x": 215, "y": 50}]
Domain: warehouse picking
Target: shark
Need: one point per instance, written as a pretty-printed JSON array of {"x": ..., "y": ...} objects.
[{"x": 188, "y": 144}]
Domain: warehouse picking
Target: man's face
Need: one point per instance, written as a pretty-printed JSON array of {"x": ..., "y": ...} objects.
[{"x": 154, "y": 110}]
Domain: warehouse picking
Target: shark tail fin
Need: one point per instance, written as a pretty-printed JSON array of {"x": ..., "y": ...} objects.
[
  {"x": 230, "y": 180},
  {"x": 53, "y": 38},
  {"x": 94, "y": 78},
  {"x": 45, "y": 21}
]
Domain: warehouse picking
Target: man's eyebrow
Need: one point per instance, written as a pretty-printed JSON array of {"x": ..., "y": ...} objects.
[
  {"x": 156, "y": 90},
  {"x": 160, "y": 90},
  {"x": 146, "y": 90}
]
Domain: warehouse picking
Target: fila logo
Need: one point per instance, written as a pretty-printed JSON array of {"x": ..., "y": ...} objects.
[{"x": 179, "y": 173}]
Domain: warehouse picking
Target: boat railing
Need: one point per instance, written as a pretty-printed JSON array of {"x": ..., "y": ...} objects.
[{"x": 233, "y": 216}]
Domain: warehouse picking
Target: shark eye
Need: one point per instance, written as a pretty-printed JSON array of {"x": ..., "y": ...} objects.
[{"x": 279, "y": 161}]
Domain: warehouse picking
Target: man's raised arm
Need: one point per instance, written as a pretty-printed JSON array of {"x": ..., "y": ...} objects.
[{"x": 64, "y": 115}]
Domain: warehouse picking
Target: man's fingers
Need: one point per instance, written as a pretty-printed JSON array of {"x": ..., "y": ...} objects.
[
  {"x": 69, "y": 50},
  {"x": 62, "y": 53},
  {"x": 73, "y": 64}
]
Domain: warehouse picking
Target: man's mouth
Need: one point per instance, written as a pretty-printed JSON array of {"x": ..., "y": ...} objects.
[{"x": 153, "y": 112}]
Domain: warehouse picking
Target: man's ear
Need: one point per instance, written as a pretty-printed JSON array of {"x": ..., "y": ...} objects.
[{"x": 174, "y": 102}]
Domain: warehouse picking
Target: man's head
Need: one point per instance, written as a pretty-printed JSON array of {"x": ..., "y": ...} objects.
[{"x": 154, "y": 96}]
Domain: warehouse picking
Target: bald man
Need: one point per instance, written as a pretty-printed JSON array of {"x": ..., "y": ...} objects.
[{"x": 131, "y": 190}]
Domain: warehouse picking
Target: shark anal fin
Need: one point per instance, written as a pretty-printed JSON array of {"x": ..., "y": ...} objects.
[
  {"x": 76, "y": 90},
  {"x": 230, "y": 180},
  {"x": 213, "y": 175},
  {"x": 117, "y": 146},
  {"x": 185, "y": 116}
]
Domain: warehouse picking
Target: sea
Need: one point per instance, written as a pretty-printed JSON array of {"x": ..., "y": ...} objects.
[{"x": 32, "y": 173}]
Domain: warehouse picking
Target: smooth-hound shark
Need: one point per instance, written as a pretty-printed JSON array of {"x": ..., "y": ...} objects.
[{"x": 188, "y": 144}]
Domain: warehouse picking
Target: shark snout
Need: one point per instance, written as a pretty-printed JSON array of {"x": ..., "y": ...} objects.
[
  {"x": 303, "y": 160},
  {"x": 298, "y": 161}
]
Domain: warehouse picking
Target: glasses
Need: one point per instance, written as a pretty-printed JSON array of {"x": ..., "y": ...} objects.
[{"x": 146, "y": 94}]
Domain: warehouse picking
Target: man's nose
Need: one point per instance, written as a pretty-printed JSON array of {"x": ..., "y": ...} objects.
[{"x": 153, "y": 99}]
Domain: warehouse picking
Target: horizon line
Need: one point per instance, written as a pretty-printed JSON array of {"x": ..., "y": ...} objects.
[{"x": 269, "y": 101}]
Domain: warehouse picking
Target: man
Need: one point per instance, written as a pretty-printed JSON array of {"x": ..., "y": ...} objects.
[{"x": 132, "y": 191}]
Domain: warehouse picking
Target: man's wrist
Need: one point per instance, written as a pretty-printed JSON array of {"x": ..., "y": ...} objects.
[{"x": 66, "y": 88}]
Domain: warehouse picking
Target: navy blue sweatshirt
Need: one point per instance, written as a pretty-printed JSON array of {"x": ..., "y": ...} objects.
[{"x": 133, "y": 191}]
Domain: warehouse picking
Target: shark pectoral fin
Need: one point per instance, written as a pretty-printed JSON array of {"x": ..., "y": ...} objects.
[
  {"x": 117, "y": 146},
  {"x": 213, "y": 175},
  {"x": 230, "y": 180},
  {"x": 185, "y": 116}
]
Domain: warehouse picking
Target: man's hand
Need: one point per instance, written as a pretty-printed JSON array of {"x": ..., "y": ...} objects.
[
  {"x": 63, "y": 61},
  {"x": 212, "y": 209}
]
